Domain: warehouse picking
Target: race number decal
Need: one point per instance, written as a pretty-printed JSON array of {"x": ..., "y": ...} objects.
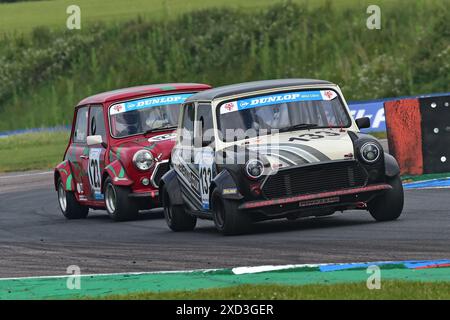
[
  {"x": 313, "y": 136},
  {"x": 205, "y": 162},
  {"x": 94, "y": 172}
]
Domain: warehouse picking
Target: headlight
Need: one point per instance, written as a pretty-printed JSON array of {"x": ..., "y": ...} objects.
[
  {"x": 370, "y": 152},
  {"x": 254, "y": 168},
  {"x": 143, "y": 160}
]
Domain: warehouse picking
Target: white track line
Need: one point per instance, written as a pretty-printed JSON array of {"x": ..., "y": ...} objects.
[
  {"x": 236, "y": 271},
  {"x": 25, "y": 175},
  {"x": 110, "y": 274}
]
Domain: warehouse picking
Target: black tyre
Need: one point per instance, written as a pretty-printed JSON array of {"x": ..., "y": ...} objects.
[
  {"x": 70, "y": 207},
  {"x": 227, "y": 218},
  {"x": 389, "y": 205},
  {"x": 176, "y": 217},
  {"x": 118, "y": 204}
]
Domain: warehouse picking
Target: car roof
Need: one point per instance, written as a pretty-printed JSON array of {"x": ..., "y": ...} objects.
[
  {"x": 245, "y": 87},
  {"x": 132, "y": 92}
]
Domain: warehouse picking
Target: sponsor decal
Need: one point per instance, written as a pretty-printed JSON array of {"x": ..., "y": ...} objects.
[
  {"x": 163, "y": 137},
  {"x": 328, "y": 94},
  {"x": 99, "y": 196},
  {"x": 318, "y": 202},
  {"x": 278, "y": 98},
  {"x": 118, "y": 108},
  {"x": 229, "y": 107},
  {"x": 373, "y": 110},
  {"x": 229, "y": 191},
  {"x": 149, "y": 103}
]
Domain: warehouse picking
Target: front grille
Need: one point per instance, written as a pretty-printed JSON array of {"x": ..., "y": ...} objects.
[
  {"x": 160, "y": 170},
  {"x": 314, "y": 179}
]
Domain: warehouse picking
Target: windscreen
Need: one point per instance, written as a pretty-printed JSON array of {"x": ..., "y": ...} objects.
[
  {"x": 287, "y": 111},
  {"x": 140, "y": 116}
]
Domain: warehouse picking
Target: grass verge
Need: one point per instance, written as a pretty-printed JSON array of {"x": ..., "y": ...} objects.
[
  {"x": 22, "y": 17},
  {"x": 389, "y": 290},
  {"x": 43, "y": 75},
  {"x": 32, "y": 151}
]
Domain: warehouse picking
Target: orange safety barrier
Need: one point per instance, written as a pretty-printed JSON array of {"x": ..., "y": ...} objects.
[{"x": 404, "y": 132}]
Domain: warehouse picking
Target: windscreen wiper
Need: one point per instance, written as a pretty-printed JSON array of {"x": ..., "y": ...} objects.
[
  {"x": 299, "y": 126},
  {"x": 159, "y": 129}
]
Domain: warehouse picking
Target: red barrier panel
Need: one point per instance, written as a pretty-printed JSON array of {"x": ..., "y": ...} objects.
[{"x": 404, "y": 131}]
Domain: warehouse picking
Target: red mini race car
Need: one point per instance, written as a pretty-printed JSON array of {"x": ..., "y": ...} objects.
[{"x": 119, "y": 149}]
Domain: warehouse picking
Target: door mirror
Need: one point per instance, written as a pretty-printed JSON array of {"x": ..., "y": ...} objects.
[
  {"x": 93, "y": 140},
  {"x": 363, "y": 123}
]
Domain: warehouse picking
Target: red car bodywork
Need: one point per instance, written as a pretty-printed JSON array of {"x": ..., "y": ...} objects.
[{"x": 116, "y": 155}]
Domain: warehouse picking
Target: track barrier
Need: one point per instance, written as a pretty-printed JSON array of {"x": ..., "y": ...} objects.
[{"x": 418, "y": 132}]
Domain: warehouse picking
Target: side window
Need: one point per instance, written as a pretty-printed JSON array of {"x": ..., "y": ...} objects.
[
  {"x": 97, "y": 122},
  {"x": 80, "y": 133},
  {"x": 204, "y": 123},
  {"x": 187, "y": 125}
]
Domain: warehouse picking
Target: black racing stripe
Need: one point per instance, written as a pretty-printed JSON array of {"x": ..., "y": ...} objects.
[
  {"x": 276, "y": 151},
  {"x": 189, "y": 189},
  {"x": 288, "y": 162},
  {"x": 297, "y": 159},
  {"x": 316, "y": 153}
]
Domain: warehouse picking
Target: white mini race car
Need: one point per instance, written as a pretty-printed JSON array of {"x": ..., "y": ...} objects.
[{"x": 275, "y": 149}]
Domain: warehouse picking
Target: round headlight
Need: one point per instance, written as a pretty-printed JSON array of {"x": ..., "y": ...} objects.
[
  {"x": 370, "y": 152},
  {"x": 143, "y": 160},
  {"x": 254, "y": 168}
]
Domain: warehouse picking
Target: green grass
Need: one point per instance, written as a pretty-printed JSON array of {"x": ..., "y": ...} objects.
[
  {"x": 23, "y": 17},
  {"x": 389, "y": 290},
  {"x": 45, "y": 74},
  {"x": 32, "y": 151},
  {"x": 379, "y": 134}
]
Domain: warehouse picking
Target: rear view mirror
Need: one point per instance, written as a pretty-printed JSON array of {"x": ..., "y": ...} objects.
[
  {"x": 93, "y": 140},
  {"x": 363, "y": 123}
]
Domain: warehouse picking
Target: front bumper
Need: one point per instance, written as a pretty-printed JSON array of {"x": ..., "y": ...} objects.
[
  {"x": 141, "y": 195},
  {"x": 146, "y": 200},
  {"x": 344, "y": 196}
]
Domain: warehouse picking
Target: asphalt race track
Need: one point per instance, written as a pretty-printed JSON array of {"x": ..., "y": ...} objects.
[{"x": 35, "y": 239}]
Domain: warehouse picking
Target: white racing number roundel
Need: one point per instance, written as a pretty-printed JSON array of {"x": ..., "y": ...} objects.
[
  {"x": 94, "y": 172},
  {"x": 205, "y": 162}
]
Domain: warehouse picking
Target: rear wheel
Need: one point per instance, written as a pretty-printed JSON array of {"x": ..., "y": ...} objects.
[
  {"x": 227, "y": 217},
  {"x": 118, "y": 204},
  {"x": 389, "y": 205},
  {"x": 70, "y": 207},
  {"x": 176, "y": 217}
]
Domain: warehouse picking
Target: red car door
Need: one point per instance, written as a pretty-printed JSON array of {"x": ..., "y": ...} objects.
[
  {"x": 97, "y": 152},
  {"x": 78, "y": 152}
]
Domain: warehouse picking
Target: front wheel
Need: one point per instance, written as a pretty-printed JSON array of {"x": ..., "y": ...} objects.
[
  {"x": 227, "y": 217},
  {"x": 389, "y": 205},
  {"x": 176, "y": 217},
  {"x": 118, "y": 204},
  {"x": 70, "y": 207}
]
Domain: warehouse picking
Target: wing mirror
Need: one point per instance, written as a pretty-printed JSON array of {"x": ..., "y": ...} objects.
[
  {"x": 363, "y": 123},
  {"x": 93, "y": 140}
]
